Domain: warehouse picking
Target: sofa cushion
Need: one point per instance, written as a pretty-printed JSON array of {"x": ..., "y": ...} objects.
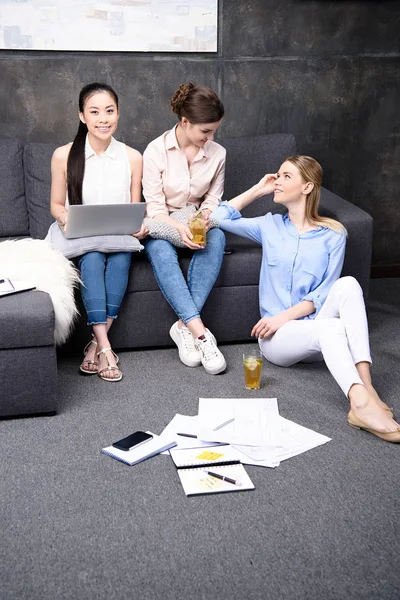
[
  {"x": 14, "y": 215},
  {"x": 26, "y": 321},
  {"x": 37, "y": 160},
  {"x": 73, "y": 247},
  {"x": 240, "y": 268}
]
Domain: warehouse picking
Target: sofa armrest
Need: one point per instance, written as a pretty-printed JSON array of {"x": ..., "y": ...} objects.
[{"x": 359, "y": 225}]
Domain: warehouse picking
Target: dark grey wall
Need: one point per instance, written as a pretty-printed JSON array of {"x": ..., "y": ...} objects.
[{"x": 326, "y": 71}]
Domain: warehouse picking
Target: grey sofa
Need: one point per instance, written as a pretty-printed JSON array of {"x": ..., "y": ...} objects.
[{"x": 145, "y": 316}]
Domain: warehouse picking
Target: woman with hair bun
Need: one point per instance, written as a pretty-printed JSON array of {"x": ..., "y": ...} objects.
[
  {"x": 184, "y": 166},
  {"x": 96, "y": 169},
  {"x": 307, "y": 312}
]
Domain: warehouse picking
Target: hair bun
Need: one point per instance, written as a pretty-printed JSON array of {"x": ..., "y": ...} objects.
[{"x": 180, "y": 96}]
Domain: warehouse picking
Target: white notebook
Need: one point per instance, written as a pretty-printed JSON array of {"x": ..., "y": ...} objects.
[
  {"x": 206, "y": 455},
  {"x": 8, "y": 287},
  {"x": 158, "y": 444},
  {"x": 196, "y": 481},
  {"x": 201, "y": 470}
]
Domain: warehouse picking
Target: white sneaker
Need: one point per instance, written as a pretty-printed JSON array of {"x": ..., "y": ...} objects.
[
  {"x": 212, "y": 336},
  {"x": 212, "y": 359},
  {"x": 188, "y": 352}
]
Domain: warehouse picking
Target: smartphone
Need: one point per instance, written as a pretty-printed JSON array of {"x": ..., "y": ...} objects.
[{"x": 133, "y": 441}]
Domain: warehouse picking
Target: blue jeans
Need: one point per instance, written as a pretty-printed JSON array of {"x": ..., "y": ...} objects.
[
  {"x": 186, "y": 298},
  {"x": 105, "y": 278}
]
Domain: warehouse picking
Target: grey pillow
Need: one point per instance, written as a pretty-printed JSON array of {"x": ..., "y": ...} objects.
[
  {"x": 96, "y": 243},
  {"x": 160, "y": 230}
]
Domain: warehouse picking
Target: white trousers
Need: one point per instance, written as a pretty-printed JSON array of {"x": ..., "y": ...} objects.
[{"x": 338, "y": 335}]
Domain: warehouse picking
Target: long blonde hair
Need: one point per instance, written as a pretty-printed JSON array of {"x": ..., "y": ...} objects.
[{"x": 311, "y": 171}]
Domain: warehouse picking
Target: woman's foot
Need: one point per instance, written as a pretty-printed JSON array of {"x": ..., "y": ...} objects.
[
  {"x": 212, "y": 358},
  {"x": 89, "y": 364},
  {"x": 387, "y": 436},
  {"x": 107, "y": 366},
  {"x": 183, "y": 338},
  {"x": 366, "y": 413},
  {"x": 374, "y": 394}
]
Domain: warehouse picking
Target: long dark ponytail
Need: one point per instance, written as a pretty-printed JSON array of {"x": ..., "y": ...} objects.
[{"x": 76, "y": 158}]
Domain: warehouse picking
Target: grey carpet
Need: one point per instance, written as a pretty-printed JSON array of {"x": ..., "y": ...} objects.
[{"x": 78, "y": 525}]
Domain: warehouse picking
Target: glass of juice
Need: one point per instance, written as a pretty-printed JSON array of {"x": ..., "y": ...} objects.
[
  {"x": 197, "y": 227},
  {"x": 252, "y": 362}
]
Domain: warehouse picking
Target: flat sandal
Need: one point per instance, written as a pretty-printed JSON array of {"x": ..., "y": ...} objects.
[
  {"x": 109, "y": 368},
  {"x": 88, "y": 362}
]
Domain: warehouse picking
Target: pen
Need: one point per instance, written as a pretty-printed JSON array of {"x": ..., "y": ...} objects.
[
  {"x": 218, "y": 476},
  {"x": 191, "y": 435},
  {"x": 223, "y": 424}
]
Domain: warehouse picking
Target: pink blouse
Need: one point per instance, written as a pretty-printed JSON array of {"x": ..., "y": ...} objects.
[{"x": 169, "y": 183}]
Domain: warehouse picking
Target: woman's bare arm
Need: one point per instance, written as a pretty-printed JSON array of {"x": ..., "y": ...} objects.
[
  {"x": 136, "y": 163},
  {"x": 264, "y": 186},
  {"x": 58, "y": 193}
]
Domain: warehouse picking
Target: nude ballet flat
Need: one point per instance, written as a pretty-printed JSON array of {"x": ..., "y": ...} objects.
[{"x": 390, "y": 436}]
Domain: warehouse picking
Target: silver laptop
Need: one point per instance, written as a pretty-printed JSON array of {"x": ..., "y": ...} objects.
[{"x": 85, "y": 220}]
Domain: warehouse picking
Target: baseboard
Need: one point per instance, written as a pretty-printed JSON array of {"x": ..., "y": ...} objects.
[{"x": 378, "y": 271}]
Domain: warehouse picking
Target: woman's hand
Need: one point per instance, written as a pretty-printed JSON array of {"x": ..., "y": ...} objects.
[
  {"x": 62, "y": 220},
  {"x": 142, "y": 233},
  {"x": 266, "y": 185},
  {"x": 267, "y": 326},
  {"x": 186, "y": 236},
  {"x": 206, "y": 216}
]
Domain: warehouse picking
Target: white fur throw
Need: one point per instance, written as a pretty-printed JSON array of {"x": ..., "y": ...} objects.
[{"x": 34, "y": 262}]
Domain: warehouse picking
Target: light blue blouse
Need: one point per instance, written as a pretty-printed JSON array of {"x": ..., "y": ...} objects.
[{"x": 294, "y": 267}]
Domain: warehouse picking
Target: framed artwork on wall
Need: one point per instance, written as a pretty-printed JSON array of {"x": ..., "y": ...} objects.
[{"x": 109, "y": 25}]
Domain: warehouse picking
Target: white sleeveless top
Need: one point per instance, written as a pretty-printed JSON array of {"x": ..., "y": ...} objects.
[{"x": 107, "y": 178}]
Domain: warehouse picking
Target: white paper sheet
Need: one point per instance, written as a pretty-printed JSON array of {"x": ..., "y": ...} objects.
[
  {"x": 184, "y": 424},
  {"x": 297, "y": 439},
  {"x": 255, "y": 420},
  {"x": 294, "y": 439}
]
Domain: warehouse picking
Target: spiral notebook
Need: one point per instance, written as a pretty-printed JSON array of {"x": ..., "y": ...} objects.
[
  {"x": 205, "y": 455},
  {"x": 210, "y": 470}
]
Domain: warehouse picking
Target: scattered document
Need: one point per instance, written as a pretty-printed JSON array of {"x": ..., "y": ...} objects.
[
  {"x": 259, "y": 456},
  {"x": 250, "y": 421},
  {"x": 297, "y": 439},
  {"x": 294, "y": 439},
  {"x": 284, "y": 437},
  {"x": 189, "y": 426}
]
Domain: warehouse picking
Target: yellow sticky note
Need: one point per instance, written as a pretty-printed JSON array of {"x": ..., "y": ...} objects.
[{"x": 209, "y": 455}]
